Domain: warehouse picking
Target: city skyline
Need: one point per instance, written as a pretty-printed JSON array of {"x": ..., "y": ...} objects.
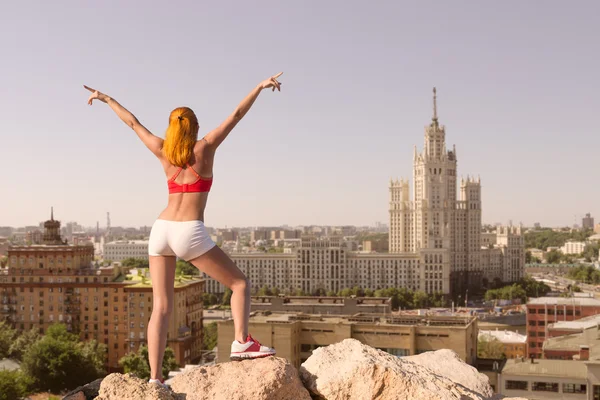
[{"x": 514, "y": 92}]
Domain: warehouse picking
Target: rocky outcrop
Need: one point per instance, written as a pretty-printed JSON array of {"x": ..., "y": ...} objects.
[
  {"x": 269, "y": 378},
  {"x": 447, "y": 363},
  {"x": 352, "y": 370},
  {"x": 347, "y": 370},
  {"x": 128, "y": 387}
]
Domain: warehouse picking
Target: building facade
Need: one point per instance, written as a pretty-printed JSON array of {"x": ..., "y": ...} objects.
[
  {"x": 544, "y": 311},
  {"x": 514, "y": 344},
  {"x": 123, "y": 249},
  {"x": 587, "y": 222},
  {"x": 572, "y": 247},
  {"x": 296, "y": 335},
  {"x": 439, "y": 221},
  {"x": 56, "y": 282}
]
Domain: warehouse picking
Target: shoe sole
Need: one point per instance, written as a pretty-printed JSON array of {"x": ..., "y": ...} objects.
[{"x": 250, "y": 356}]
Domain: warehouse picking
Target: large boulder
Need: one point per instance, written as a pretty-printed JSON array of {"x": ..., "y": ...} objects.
[
  {"x": 85, "y": 392},
  {"x": 129, "y": 387},
  {"x": 447, "y": 363},
  {"x": 351, "y": 370},
  {"x": 270, "y": 378}
]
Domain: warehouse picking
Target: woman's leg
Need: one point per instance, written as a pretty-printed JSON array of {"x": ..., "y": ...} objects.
[
  {"x": 162, "y": 273},
  {"x": 216, "y": 264}
]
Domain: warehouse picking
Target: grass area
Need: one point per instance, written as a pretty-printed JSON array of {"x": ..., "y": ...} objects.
[{"x": 180, "y": 280}]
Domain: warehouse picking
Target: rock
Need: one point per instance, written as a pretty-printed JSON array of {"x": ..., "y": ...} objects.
[
  {"x": 270, "y": 378},
  {"x": 129, "y": 387},
  {"x": 75, "y": 396},
  {"x": 85, "y": 392},
  {"x": 351, "y": 370},
  {"x": 447, "y": 363}
]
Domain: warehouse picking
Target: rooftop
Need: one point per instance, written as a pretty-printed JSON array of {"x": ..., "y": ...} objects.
[
  {"x": 574, "y": 341},
  {"x": 580, "y": 324},
  {"x": 504, "y": 336},
  {"x": 322, "y": 300},
  {"x": 124, "y": 242},
  {"x": 564, "y": 301},
  {"x": 542, "y": 367},
  {"x": 361, "y": 318}
]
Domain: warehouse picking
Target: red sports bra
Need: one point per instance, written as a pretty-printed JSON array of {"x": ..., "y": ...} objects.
[{"x": 199, "y": 185}]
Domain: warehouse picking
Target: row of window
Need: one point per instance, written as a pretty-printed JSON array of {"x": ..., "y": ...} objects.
[{"x": 546, "y": 386}]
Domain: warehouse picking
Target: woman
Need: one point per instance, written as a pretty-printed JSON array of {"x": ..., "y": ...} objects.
[{"x": 179, "y": 230}]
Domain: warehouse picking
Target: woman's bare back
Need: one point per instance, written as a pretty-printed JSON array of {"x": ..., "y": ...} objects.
[{"x": 189, "y": 206}]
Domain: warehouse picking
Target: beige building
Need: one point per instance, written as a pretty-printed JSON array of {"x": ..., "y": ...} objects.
[
  {"x": 123, "y": 249},
  {"x": 55, "y": 282},
  {"x": 296, "y": 335},
  {"x": 439, "y": 221},
  {"x": 327, "y": 264},
  {"x": 378, "y": 246},
  {"x": 550, "y": 379},
  {"x": 322, "y": 305},
  {"x": 572, "y": 247},
  {"x": 514, "y": 344}
]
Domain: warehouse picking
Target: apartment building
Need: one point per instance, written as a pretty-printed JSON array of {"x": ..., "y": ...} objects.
[
  {"x": 56, "y": 282},
  {"x": 123, "y": 249},
  {"x": 544, "y": 311},
  {"x": 296, "y": 335}
]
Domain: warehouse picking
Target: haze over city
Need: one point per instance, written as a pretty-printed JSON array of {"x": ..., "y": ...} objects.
[{"x": 355, "y": 98}]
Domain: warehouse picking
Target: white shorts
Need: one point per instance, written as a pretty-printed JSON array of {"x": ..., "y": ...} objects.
[{"x": 184, "y": 239}]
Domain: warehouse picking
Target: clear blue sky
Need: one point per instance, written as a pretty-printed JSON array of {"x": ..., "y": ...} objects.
[{"x": 517, "y": 87}]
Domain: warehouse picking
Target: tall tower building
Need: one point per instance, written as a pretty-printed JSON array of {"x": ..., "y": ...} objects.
[{"x": 435, "y": 223}]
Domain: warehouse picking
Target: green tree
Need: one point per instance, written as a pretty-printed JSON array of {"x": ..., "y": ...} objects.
[
  {"x": 209, "y": 299},
  {"x": 264, "y": 291},
  {"x": 135, "y": 262},
  {"x": 490, "y": 348},
  {"x": 137, "y": 363},
  {"x": 209, "y": 339},
  {"x": 553, "y": 256},
  {"x": 186, "y": 268},
  {"x": 420, "y": 299},
  {"x": 331, "y": 293},
  {"x": 405, "y": 298},
  {"x": 13, "y": 385},
  {"x": 345, "y": 292},
  {"x": 533, "y": 288},
  {"x": 275, "y": 291},
  {"x": 58, "y": 361},
  {"x": 369, "y": 293},
  {"x": 23, "y": 342},
  {"x": 227, "y": 297},
  {"x": 357, "y": 291},
  {"x": 7, "y": 335},
  {"x": 3, "y": 261},
  {"x": 591, "y": 251}
]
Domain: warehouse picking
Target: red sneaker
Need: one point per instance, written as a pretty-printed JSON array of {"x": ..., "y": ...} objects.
[{"x": 249, "y": 350}]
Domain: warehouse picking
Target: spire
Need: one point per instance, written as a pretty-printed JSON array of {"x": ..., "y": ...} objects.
[
  {"x": 51, "y": 213},
  {"x": 435, "y": 117}
]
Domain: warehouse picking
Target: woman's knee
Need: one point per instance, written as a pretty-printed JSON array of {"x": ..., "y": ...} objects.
[
  {"x": 163, "y": 308},
  {"x": 241, "y": 285}
]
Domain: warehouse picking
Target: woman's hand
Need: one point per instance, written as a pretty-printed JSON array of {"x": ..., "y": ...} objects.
[
  {"x": 271, "y": 83},
  {"x": 96, "y": 95}
]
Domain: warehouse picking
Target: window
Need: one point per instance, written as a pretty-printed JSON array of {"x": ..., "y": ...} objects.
[
  {"x": 596, "y": 392},
  {"x": 516, "y": 385},
  {"x": 544, "y": 387},
  {"x": 574, "y": 388}
]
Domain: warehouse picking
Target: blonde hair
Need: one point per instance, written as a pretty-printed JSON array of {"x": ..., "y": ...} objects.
[{"x": 181, "y": 136}]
